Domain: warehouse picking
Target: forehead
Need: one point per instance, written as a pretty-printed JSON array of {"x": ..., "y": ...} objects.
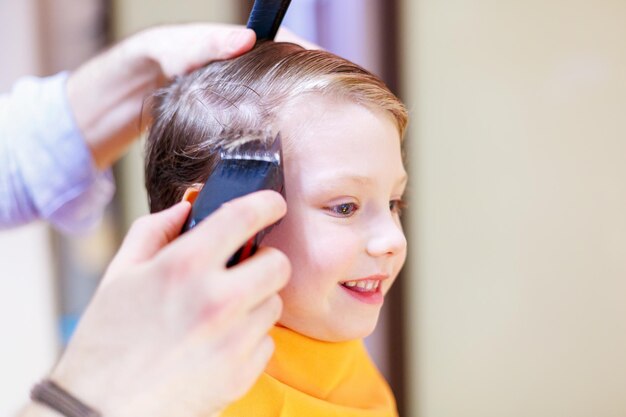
[{"x": 336, "y": 137}]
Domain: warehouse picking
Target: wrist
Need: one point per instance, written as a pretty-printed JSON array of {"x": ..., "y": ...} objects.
[
  {"x": 34, "y": 409},
  {"x": 89, "y": 384}
]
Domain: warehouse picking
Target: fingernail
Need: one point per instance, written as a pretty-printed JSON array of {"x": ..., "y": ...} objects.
[{"x": 238, "y": 37}]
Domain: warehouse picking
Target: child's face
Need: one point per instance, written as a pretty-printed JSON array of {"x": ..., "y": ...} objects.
[{"x": 344, "y": 179}]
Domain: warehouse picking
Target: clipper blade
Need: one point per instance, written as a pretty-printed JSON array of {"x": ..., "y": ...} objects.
[
  {"x": 255, "y": 145},
  {"x": 248, "y": 161}
]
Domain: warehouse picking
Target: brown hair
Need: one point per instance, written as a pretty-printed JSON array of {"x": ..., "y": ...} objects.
[{"x": 191, "y": 114}]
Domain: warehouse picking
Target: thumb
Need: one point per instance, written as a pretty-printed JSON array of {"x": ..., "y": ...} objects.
[
  {"x": 214, "y": 43},
  {"x": 149, "y": 234}
]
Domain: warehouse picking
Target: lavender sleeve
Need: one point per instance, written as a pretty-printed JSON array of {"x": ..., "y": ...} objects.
[{"x": 46, "y": 169}]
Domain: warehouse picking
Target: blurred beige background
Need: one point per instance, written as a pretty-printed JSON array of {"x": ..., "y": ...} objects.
[
  {"x": 518, "y": 147},
  {"x": 515, "y": 292}
]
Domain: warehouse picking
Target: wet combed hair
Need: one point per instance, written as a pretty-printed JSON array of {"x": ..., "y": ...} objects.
[{"x": 191, "y": 115}]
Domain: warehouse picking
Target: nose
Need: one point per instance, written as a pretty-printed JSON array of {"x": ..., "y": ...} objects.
[{"x": 386, "y": 237}]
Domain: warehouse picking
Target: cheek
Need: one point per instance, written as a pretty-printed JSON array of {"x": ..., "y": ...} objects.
[
  {"x": 400, "y": 261},
  {"x": 320, "y": 251},
  {"x": 397, "y": 267},
  {"x": 331, "y": 255}
]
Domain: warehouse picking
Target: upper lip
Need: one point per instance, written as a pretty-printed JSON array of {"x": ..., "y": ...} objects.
[{"x": 377, "y": 277}]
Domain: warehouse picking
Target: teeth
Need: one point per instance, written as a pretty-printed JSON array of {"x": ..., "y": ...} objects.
[{"x": 363, "y": 285}]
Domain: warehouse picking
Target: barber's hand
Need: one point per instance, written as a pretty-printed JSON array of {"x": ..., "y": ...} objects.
[
  {"x": 172, "y": 332},
  {"x": 107, "y": 93}
]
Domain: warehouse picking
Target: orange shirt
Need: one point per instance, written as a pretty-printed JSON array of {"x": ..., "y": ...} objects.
[{"x": 311, "y": 378}]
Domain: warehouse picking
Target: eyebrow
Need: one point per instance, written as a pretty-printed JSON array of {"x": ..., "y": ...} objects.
[
  {"x": 358, "y": 180},
  {"x": 343, "y": 178}
]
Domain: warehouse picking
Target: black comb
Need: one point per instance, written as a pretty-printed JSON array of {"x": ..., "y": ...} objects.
[{"x": 266, "y": 17}]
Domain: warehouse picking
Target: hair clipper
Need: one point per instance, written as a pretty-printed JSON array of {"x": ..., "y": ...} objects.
[
  {"x": 252, "y": 166},
  {"x": 256, "y": 164},
  {"x": 266, "y": 17}
]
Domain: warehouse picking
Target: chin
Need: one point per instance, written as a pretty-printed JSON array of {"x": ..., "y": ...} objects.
[
  {"x": 334, "y": 330},
  {"x": 340, "y": 331},
  {"x": 352, "y": 331}
]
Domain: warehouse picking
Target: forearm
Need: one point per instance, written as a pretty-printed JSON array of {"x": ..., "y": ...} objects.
[{"x": 107, "y": 95}]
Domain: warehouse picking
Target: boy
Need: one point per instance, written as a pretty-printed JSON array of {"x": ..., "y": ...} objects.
[{"x": 342, "y": 131}]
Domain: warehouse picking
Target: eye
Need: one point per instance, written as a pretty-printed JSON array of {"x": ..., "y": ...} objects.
[
  {"x": 343, "y": 210},
  {"x": 396, "y": 206}
]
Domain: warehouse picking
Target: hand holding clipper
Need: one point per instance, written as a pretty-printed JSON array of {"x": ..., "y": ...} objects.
[{"x": 254, "y": 165}]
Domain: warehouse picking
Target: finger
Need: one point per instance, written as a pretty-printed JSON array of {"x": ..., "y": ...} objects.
[
  {"x": 219, "y": 300},
  {"x": 251, "y": 365},
  {"x": 218, "y": 237},
  {"x": 258, "y": 323},
  {"x": 200, "y": 44},
  {"x": 223, "y": 42},
  {"x": 241, "y": 332},
  {"x": 149, "y": 234},
  {"x": 239, "y": 42},
  {"x": 249, "y": 371},
  {"x": 259, "y": 359},
  {"x": 285, "y": 35},
  {"x": 254, "y": 280}
]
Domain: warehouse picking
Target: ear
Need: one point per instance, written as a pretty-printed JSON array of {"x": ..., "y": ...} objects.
[{"x": 191, "y": 193}]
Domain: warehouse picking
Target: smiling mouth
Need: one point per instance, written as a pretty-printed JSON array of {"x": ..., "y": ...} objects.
[
  {"x": 368, "y": 291},
  {"x": 364, "y": 286}
]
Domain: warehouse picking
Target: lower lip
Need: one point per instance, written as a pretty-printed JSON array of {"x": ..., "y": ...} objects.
[{"x": 371, "y": 297}]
